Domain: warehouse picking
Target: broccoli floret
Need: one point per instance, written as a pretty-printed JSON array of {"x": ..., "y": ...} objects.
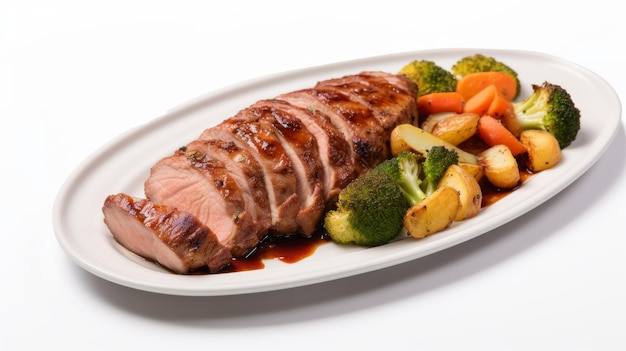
[
  {"x": 405, "y": 170},
  {"x": 551, "y": 108},
  {"x": 437, "y": 161},
  {"x": 481, "y": 63},
  {"x": 418, "y": 177},
  {"x": 369, "y": 212},
  {"x": 429, "y": 77}
]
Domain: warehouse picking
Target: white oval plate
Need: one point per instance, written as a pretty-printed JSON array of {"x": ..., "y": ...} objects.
[{"x": 123, "y": 164}]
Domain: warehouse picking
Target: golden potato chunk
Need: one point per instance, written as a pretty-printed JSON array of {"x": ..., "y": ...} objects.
[
  {"x": 501, "y": 168},
  {"x": 407, "y": 137},
  {"x": 470, "y": 193},
  {"x": 456, "y": 129},
  {"x": 429, "y": 123},
  {"x": 543, "y": 150},
  {"x": 433, "y": 214},
  {"x": 477, "y": 171}
]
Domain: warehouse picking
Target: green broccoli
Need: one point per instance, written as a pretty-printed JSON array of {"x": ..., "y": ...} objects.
[
  {"x": 406, "y": 171},
  {"x": 551, "y": 108},
  {"x": 429, "y": 77},
  {"x": 370, "y": 211},
  {"x": 417, "y": 176},
  {"x": 481, "y": 63},
  {"x": 435, "y": 165}
]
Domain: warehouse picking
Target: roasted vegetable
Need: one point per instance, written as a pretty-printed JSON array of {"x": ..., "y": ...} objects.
[
  {"x": 405, "y": 170},
  {"x": 418, "y": 176},
  {"x": 435, "y": 213},
  {"x": 445, "y": 101},
  {"x": 493, "y": 133},
  {"x": 369, "y": 212},
  {"x": 500, "y": 166},
  {"x": 457, "y": 128},
  {"x": 551, "y": 108},
  {"x": 407, "y": 137},
  {"x": 466, "y": 185},
  {"x": 429, "y": 77},
  {"x": 472, "y": 83},
  {"x": 482, "y": 63},
  {"x": 543, "y": 150},
  {"x": 437, "y": 162}
]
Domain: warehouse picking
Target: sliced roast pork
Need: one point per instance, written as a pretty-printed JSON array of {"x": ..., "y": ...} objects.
[
  {"x": 248, "y": 174},
  {"x": 280, "y": 180},
  {"x": 333, "y": 159},
  {"x": 358, "y": 123},
  {"x": 301, "y": 147},
  {"x": 274, "y": 167},
  {"x": 200, "y": 184},
  {"x": 175, "y": 239},
  {"x": 390, "y": 98}
]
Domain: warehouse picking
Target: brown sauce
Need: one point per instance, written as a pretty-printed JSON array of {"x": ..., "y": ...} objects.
[
  {"x": 288, "y": 249},
  {"x": 492, "y": 194}
]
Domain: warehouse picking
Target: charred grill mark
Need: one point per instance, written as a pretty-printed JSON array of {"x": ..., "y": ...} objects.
[{"x": 363, "y": 148}]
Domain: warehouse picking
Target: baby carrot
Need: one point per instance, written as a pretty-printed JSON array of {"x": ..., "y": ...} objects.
[
  {"x": 499, "y": 106},
  {"x": 492, "y": 132},
  {"x": 479, "y": 103},
  {"x": 472, "y": 83},
  {"x": 440, "y": 102}
]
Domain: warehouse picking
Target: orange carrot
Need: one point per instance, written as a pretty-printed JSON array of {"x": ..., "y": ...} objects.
[
  {"x": 492, "y": 132},
  {"x": 479, "y": 103},
  {"x": 472, "y": 83},
  {"x": 499, "y": 106},
  {"x": 440, "y": 102}
]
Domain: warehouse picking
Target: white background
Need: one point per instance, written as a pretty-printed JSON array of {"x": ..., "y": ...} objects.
[{"x": 73, "y": 76}]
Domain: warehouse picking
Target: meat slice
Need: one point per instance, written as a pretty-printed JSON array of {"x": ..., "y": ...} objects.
[
  {"x": 175, "y": 239},
  {"x": 391, "y": 98},
  {"x": 248, "y": 174},
  {"x": 353, "y": 119},
  {"x": 280, "y": 179},
  {"x": 301, "y": 147},
  {"x": 200, "y": 184},
  {"x": 334, "y": 161}
]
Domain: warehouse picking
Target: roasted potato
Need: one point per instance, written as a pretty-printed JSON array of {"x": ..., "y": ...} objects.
[
  {"x": 543, "y": 150},
  {"x": 456, "y": 129},
  {"x": 407, "y": 137},
  {"x": 431, "y": 120},
  {"x": 477, "y": 171},
  {"x": 433, "y": 214},
  {"x": 500, "y": 166},
  {"x": 470, "y": 193}
]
